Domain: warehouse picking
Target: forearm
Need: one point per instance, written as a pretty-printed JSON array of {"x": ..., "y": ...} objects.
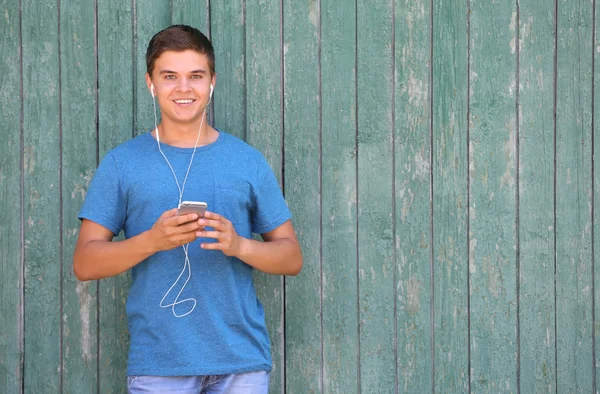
[
  {"x": 279, "y": 257},
  {"x": 103, "y": 259}
]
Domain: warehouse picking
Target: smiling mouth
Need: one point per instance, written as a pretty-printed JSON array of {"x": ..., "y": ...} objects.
[{"x": 186, "y": 101}]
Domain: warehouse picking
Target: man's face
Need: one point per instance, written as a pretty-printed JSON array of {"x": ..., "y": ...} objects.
[{"x": 181, "y": 85}]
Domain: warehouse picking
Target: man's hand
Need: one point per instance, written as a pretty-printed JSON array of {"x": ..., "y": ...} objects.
[
  {"x": 228, "y": 240},
  {"x": 171, "y": 230}
]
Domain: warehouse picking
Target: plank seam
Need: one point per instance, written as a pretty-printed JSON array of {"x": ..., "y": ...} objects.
[
  {"x": 431, "y": 210},
  {"x": 358, "y": 369},
  {"x": 517, "y": 193},
  {"x": 171, "y": 10},
  {"x": 245, "y": 87},
  {"x": 97, "y": 114},
  {"x": 319, "y": 103},
  {"x": 555, "y": 60},
  {"x": 468, "y": 194},
  {"x": 60, "y": 193},
  {"x": 593, "y": 202},
  {"x": 394, "y": 224},
  {"x": 133, "y": 67},
  {"x": 282, "y": 282},
  {"x": 21, "y": 317},
  {"x": 209, "y": 28}
]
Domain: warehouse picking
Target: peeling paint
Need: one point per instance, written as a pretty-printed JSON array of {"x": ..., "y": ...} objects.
[
  {"x": 85, "y": 303},
  {"x": 472, "y": 246}
]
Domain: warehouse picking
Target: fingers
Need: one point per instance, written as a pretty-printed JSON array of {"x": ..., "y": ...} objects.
[
  {"x": 209, "y": 234},
  {"x": 181, "y": 219}
]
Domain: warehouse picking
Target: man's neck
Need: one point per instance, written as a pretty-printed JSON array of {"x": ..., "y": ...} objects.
[{"x": 185, "y": 135}]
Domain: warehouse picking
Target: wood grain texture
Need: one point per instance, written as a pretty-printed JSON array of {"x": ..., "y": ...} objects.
[
  {"x": 264, "y": 125},
  {"x": 492, "y": 169},
  {"x": 339, "y": 194},
  {"x": 11, "y": 324},
  {"x": 41, "y": 150},
  {"x": 78, "y": 118},
  {"x": 150, "y": 18},
  {"x": 573, "y": 198},
  {"x": 115, "y": 125},
  {"x": 192, "y": 12},
  {"x": 450, "y": 167},
  {"x": 375, "y": 200},
  {"x": 412, "y": 195},
  {"x": 536, "y": 196},
  {"x": 596, "y": 193},
  {"x": 228, "y": 35},
  {"x": 302, "y": 179}
]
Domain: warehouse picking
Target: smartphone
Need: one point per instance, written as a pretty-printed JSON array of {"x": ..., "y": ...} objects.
[{"x": 192, "y": 207}]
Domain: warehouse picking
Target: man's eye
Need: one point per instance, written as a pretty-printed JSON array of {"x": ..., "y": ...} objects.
[
  {"x": 196, "y": 76},
  {"x": 170, "y": 77}
]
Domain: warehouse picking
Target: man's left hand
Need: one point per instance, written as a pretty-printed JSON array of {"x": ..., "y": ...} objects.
[{"x": 228, "y": 241}]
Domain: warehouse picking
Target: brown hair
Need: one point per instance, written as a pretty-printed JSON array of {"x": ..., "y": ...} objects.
[{"x": 179, "y": 38}]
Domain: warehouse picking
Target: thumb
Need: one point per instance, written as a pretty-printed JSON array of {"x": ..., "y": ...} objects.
[{"x": 169, "y": 214}]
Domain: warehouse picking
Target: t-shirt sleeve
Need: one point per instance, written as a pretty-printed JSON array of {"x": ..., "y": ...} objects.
[
  {"x": 270, "y": 209},
  {"x": 105, "y": 202}
]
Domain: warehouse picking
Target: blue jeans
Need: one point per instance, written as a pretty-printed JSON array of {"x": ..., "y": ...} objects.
[{"x": 244, "y": 383}]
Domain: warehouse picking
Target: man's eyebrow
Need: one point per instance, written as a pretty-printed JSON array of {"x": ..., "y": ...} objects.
[{"x": 198, "y": 71}]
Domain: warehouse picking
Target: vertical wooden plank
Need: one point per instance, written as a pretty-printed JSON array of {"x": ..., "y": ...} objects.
[
  {"x": 264, "y": 125},
  {"x": 192, "y": 12},
  {"x": 536, "y": 196},
  {"x": 412, "y": 195},
  {"x": 78, "y": 115},
  {"x": 573, "y": 198},
  {"x": 11, "y": 325},
  {"x": 41, "y": 134},
  {"x": 450, "y": 166},
  {"x": 150, "y": 18},
  {"x": 229, "y": 98},
  {"x": 375, "y": 199},
  {"x": 302, "y": 178},
  {"x": 596, "y": 190},
  {"x": 115, "y": 123},
  {"x": 339, "y": 221},
  {"x": 492, "y": 237}
]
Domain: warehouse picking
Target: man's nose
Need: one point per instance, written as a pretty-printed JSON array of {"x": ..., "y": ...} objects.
[{"x": 184, "y": 84}]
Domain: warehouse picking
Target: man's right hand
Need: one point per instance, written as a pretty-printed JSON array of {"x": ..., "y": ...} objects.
[{"x": 172, "y": 230}]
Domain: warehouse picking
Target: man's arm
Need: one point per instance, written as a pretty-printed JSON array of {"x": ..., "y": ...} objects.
[
  {"x": 280, "y": 254},
  {"x": 97, "y": 257}
]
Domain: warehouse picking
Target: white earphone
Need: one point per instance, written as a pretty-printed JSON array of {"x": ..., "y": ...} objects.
[{"x": 152, "y": 90}]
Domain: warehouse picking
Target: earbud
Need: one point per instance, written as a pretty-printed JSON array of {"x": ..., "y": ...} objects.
[
  {"x": 152, "y": 90},
  {"x": 211, "y": 89}
]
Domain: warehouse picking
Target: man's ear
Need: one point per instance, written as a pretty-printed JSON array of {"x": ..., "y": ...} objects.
[{"x": 150, "y": 85}]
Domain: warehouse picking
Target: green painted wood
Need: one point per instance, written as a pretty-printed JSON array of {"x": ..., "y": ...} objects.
[
  {"x": 375, "y": 200},
  {"x": 78, "y": 114},
  {"x": 11, "y": 324},
  {"x": 192, "y": 12},
  {"x": 536, "y": 195},
  {"x": 492, "y": 192},
  {"x": 227, "y": 35},
  {"x": 41, "y": 150},
  {"x": 264, "y": 126},
  {"x": 412, "y": 187},
  {"x": 339, "y": 193},
  {"x": 573, "y": 198},
  {"x": 150, "y": 18},
  {"x": 302, "y": 179},
  {"x": 450, "y": 190},
  {"x": 596, "y": 197},
  {"x": 115, "y": 125}
]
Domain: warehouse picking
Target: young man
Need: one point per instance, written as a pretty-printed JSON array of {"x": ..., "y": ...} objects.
[{"x": 199, "y": 328}]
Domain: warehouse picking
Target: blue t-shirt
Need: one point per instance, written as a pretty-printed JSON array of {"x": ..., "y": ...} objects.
[{"x": 226, "y": 331}]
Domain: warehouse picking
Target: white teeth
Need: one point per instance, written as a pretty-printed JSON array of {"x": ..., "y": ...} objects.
[{"x": 183, "y": 101}]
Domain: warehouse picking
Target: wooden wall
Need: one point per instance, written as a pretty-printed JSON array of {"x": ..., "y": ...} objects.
[{"x": 438, "y": 157}]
